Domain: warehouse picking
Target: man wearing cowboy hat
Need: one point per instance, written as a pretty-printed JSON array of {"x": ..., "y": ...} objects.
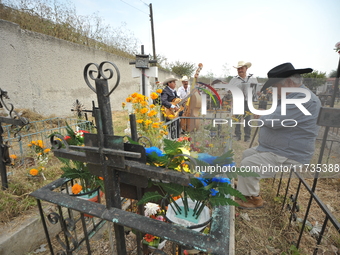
[
  {"x": 167, "y": 96},
  {"x": 169, "y": 93},
  {"x": 184, "y": 90},
  {"x": 243, "y": 81},
  {"x": 281, "y": 146}
]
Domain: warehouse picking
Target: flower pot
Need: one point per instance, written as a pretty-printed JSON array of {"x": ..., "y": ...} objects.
[
  {"x": 189, "y": 222},
  {"x": 91, "y": 195}
]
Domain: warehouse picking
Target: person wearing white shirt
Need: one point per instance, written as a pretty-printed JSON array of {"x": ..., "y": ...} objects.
[
  {"x": 184, "y": 90},
  {"x": 243, "y": 81}
]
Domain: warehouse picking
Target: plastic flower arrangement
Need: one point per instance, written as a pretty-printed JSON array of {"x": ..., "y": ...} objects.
[
  {"x": 153, "y": 211},
  {"x": 206, "y": 187},
  {"x": 147, "y": 116},
  {"x": 40, "y": 152},
  {"x": 77, "y": 170}
]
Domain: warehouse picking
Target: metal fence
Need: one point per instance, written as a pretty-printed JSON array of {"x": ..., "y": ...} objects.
[{"x": 40, "y": 130}]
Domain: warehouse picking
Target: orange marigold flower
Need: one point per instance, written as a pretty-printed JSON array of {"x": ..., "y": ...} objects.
[
  {"x": 153, "y": 96},
  {"x": 147, "y": 122},
  {"x": 144, "y": 110},
  {"x": 152, "y": 106},
  {"x": 76, "y": 188},
  {"x": 152, "y": 113},
  {"x": 39, "y": 154},
  {"x": 101, "y": 178},
  {"x": 159, "y": 91},
  {"x": 155, "y": 125},
  {"x": 139, "y": 121},
  {"x": 12, "y": 156},
  {"x": 47, "y": 150},
  {"x": 34, "y": 172},
  {"x": 30, "y": 145},
  {"x": 134, "y": 95},
  {"x": 123, "y": 105},
  {"x": 33, "y": 142},
  {"x": 128, "y": 99},
  {"x": 135, "y": 101},
  {"x": 149, "y": 238},
  {"x": 40, "y": 143},
  {"x": 144, "y": 103}
]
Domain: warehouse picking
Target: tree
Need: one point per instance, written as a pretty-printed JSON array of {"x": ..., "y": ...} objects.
[
  {"x": 314, "y": 79},
  {"x": 332, "y": 74},
  {"x": 183, "y": 68}
]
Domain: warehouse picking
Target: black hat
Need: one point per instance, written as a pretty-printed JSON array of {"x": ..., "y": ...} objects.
[{"x": 281, "y": 72}]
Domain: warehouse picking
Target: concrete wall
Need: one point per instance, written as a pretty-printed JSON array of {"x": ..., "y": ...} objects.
[{"x": 45, "y": 74}]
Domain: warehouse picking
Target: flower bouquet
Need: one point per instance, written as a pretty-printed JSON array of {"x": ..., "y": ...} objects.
[
  {"x": 154, "y": 211},
  {"x": 147, "y": 116},
  {"x": 207, "y": 188}
]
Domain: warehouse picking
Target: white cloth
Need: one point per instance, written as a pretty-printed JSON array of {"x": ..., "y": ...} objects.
[
  {"x": 182, "y": 93},
  {"x": 243, "y": 84}
]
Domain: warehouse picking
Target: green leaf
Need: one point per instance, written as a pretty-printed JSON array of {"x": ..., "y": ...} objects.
[
  {"x": 171, "y": 147},
  {"x": 227, "y": 189},
  {"x": 172, "y": 188},
  {"x": 131, "y": 141},
  {"x": 198, "y": 194},
  {"x": 221, "y": 200},
  {"x": 150, "y": 196}
]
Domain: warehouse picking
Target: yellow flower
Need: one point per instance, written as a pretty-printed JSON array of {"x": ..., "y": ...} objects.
[
  {"x": 184, "y": 150},
  {"x": 134, "y": 95},
  {"x": 139, "y": 121},
  {"x": 12, "y": 156},
  {"x": 34, "y": 172},
  {"x": 144, "y": 110},
  {"x": 47, "y": 150},
  {"x": 152, "y": 113},
  {"x": 152, "y": 106},
  {"x": 30, "y": 145},
  {"x": 128, "y": 99},
  {"x": 33, "y": 142},
  {"x": 211, "y": 145},
  {"x": 164, "y": 127},
  {"x": 147, "y": 122},
  {"x": 159, "y": 91},
  {"x": 144, "y": 103},
  {"x": 40, "y": 144},
  {"x": 155, "y": 125},
  {"x": 76, "y": 188},
  {"x": 153, "y": 96},
  {"x": 135, "y": 101},
  {"x": 183, "y": 167}
]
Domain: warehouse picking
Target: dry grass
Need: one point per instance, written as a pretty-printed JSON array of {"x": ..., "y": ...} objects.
[{"x": 269, "y": 231}]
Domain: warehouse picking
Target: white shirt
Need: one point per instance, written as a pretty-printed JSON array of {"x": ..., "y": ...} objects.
[
  {"x": 243, "y": 84},
  {"x": 182, "y": 93}
]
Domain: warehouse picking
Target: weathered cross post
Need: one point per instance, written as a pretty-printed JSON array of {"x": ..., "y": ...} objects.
[
  {"x": 5, "y": 159},
  {"x": 143, "y": 71}
]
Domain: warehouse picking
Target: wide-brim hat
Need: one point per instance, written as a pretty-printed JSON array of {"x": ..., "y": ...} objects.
[
  {"x": 166, "y": 81},
  {"x": 281, "y": 72},
  {"x": 242, "y": 63},
  {"x": 185, "y": 78}
]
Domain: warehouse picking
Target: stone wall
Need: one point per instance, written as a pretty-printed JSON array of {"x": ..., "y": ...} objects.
[{"x": 45, "y": 74}]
